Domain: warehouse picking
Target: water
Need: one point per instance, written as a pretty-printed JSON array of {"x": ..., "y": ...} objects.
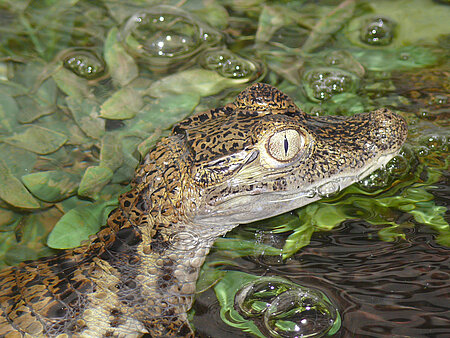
[
  {"x": 77, "y": 76},
  {"x": 381, "y": 289}
]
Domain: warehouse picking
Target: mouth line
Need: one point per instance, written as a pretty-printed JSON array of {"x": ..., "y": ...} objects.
[{"x": 340, "y": 182}]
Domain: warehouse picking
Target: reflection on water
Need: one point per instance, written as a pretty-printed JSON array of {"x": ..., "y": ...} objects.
[{"x": 381, "y": 289}]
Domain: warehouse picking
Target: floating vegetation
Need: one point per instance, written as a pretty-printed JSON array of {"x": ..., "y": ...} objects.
[
  {"x": 88, "y": 87},
  {"x": 275, "y": 307}
]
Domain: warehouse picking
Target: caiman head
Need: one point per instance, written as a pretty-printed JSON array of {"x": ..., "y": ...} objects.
[{"x": 261, "y": 155}]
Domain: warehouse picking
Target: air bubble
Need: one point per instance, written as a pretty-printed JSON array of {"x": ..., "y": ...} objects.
[
  {"x": 83, "y": 63},
  {"x": 254, "y": 298},
  {"x": 163, "y": 35},
  {"x": 264, "y": 239},
  {"x": 230, "y": 65},
  {"x": 377, "y": 31},
  {"x": 184, "y": 240},
  {"x": 328, "y": 189},
  {"x": 300, "y": 313},
  {"x": 323, "y": 83}
]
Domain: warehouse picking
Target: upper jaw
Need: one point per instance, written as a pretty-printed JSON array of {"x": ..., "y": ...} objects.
[{"x": 245, "y": 208}]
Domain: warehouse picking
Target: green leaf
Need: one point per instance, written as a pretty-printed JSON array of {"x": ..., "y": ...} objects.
[
  {"x": 8, "y": 113},
  {"x": 51, "y": 186},
  {"x": 86, "y": 114},
  {"x": 165, "y": 111},
  {"x": 121, "y": 66},
  {"x": 111, "y": 154},
  {"x": 19, "y": 161},
  {"x": 94, "y": 179},
  {"x": 78, "y": 224},
  {"x": 329, "y": 25},
  {"x": 240, "y": 248},
  {"x": 225, "y": 292},
  {"x": 71, "y": 84},
  {"x": 13, "y": 191},
  {"x": 12, "y": 88},
  {"x": 123, "y": 104},
  {"x": 37, "y": 139},
  {"x": 199, "y": 82},
  {"x": 299, "y": 239}
]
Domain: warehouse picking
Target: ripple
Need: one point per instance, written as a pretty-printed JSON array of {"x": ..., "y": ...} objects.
[
  {"x": 184, "y": 240},
  {"x": 254, "y": 298}
]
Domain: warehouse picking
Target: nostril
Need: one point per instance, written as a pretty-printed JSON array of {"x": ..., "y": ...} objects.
[{"x": 389, "y": 129}]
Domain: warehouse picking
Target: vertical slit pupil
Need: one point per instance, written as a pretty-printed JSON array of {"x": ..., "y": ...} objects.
[{"x": 286, "y": 145}]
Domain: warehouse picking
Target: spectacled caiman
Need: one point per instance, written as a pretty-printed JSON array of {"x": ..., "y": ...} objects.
[{"x": 254, "y": 158}]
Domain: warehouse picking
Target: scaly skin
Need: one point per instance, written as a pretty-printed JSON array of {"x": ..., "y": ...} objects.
[{"x": 252, "y": 159}]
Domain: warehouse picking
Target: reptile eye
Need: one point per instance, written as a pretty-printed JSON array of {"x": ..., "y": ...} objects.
[{"x": 284, "y": 145}]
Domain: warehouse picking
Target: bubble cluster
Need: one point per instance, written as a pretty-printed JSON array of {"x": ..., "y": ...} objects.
[
  {"x": 286, "y": 309},
  {"x": 322, "y": 83},
  {"x": 230, "y": 65},
  {"x": 83, "y": 63},
  {"x": 397, "y": 167},
  {"x": 377, "y": 31},
  {"x": 162, "y": 35}
]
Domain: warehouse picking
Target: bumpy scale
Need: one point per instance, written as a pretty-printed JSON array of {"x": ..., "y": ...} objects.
[{"x": 252, "y": 159}]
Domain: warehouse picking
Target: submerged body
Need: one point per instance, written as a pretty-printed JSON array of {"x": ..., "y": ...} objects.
[{"x": 252, "y": 159}]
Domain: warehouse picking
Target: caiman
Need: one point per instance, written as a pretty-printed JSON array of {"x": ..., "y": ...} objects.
[{"x": 254, "y": 158}]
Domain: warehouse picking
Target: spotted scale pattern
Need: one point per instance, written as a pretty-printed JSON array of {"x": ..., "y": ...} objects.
[{"x": 138, "y": 273}]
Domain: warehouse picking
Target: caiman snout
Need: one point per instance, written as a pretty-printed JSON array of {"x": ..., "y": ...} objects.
[{"x": 389, "y": 129}]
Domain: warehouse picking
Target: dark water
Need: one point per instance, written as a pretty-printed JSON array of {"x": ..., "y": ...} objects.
[{"x": 382, "y": 289}]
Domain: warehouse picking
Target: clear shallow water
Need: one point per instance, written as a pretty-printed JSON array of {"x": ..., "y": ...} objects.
[{"x": 384, "y": 259}]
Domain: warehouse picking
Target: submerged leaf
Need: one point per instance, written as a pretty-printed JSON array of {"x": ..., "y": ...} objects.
[
  {"x": 8, "y": 113},
  {"x": 111, "y": 154},
  {"x": 19, "y": 161},
  {"x": 78, "y": 224},
  {"x": 86, "y": 114},
  {"x": 94, "y": 179},
  {"x": 123, "y": 104},
  {"x": 37, "y": 139},
  {"x": 51, "y": 186},
  {"x": 71, "y": 84},
  {"x": 200, "y": 82},
  {"x": 329, "y": 25},
  {"x": 121, "y": 66},
  {"x": 13, "y": 191}
]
